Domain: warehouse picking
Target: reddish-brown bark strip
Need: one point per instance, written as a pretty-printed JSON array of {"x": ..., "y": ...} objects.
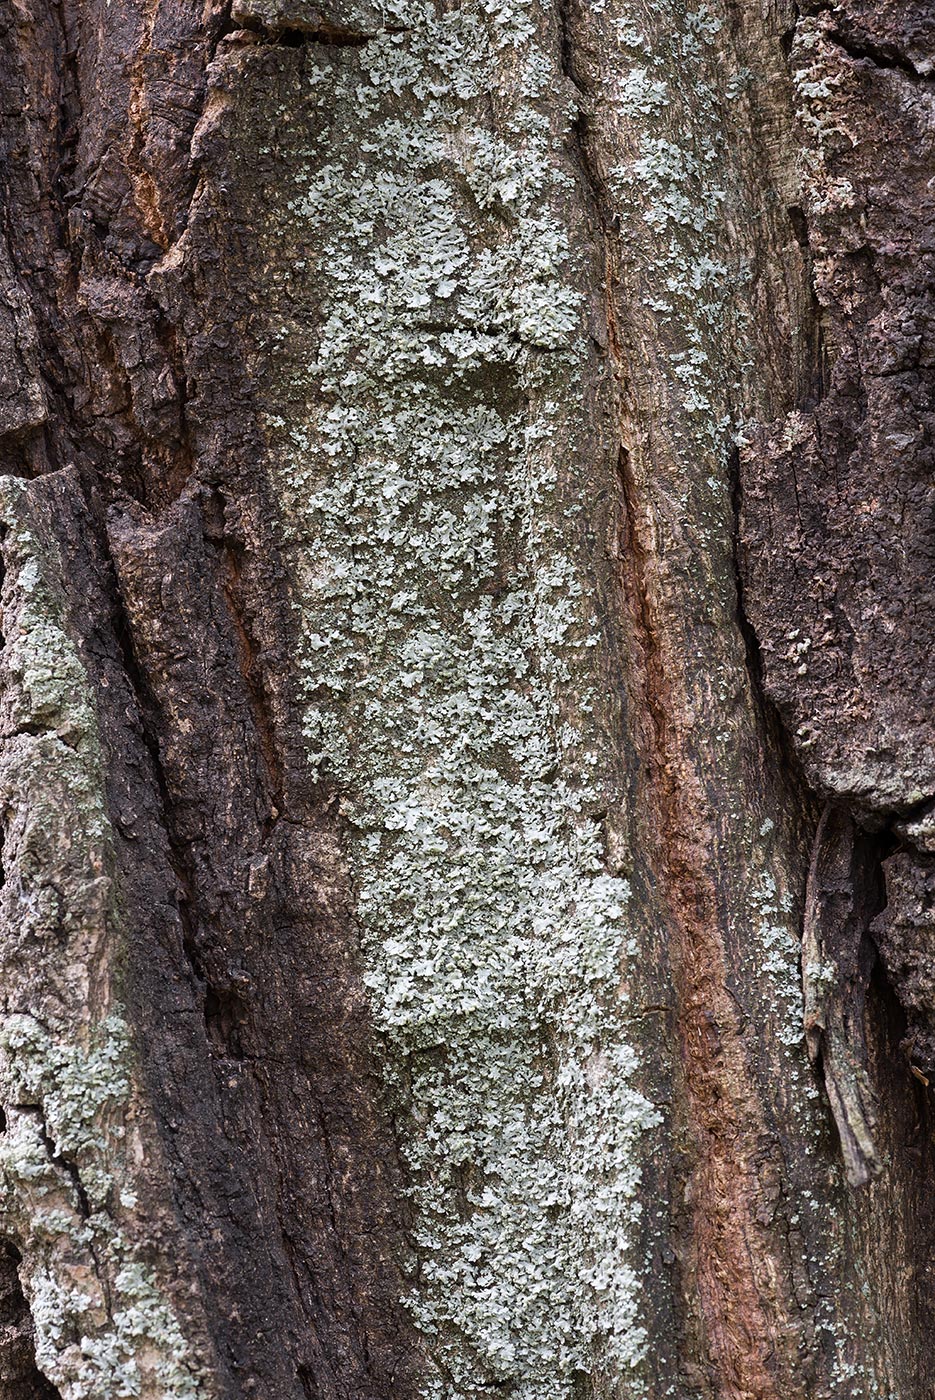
[{"x": 743, "y": 1303}]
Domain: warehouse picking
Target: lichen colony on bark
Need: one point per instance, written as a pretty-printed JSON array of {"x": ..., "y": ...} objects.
[{"x": 466, "y": 760}]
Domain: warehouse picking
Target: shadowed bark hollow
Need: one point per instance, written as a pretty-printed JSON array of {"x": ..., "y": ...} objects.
[{"x": 467, "y": 767}]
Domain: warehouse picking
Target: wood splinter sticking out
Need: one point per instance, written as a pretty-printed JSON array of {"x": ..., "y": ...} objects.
[{"x": 843, "y": 895}]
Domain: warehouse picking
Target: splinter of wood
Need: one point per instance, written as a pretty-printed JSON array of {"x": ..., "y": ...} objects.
[{"x": 842, "y": 897}]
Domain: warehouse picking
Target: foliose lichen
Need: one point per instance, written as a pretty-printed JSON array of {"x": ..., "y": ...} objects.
[{"x": 427, "y": 496}]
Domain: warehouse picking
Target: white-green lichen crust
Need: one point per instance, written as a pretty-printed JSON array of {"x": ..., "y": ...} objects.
[
  {"x": 103, "y": 1327},
  {"x": 450, "y": 636}
]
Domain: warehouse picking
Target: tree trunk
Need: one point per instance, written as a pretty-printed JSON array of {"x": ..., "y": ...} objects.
[{"x": 468, "y": 767}]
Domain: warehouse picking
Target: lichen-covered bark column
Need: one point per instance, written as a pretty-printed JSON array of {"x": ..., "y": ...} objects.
[
  {"x": 412, "y": 862},
  {"x": 435, "y": 453}
]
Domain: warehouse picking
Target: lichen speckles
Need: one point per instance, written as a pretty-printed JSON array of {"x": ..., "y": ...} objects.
[
  {"x": 444, "y": 610},
  {"x": 103, "y": 1327},
  {"x": 670, "y": 201}
]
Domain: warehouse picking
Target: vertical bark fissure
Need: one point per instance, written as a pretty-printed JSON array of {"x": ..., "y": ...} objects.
[
  {"x": 144, "y": 703},
  {"x": 777, "y": 740},
  {"x": 269, "y": 741}
]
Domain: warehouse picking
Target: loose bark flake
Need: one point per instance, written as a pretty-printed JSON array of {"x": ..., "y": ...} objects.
[{"x": 842, "y": 897}]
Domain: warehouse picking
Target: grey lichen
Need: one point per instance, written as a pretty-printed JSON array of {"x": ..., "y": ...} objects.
[{"x": 427, "y": 495}]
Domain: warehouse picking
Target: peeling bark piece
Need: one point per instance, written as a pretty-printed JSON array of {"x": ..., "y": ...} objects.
[
  {"x": 343, "y": 21},
  {"x": 837, "y": 958},
  {"x": 904, "y": 933},
  {"x": 280, "y": 1114}
]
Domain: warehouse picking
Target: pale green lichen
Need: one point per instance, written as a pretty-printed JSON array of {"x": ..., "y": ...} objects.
[
  {"x": 76, "y": 1084},
  {"x": 104, "y": 1329},
  {"x": 445, "y": 611}
]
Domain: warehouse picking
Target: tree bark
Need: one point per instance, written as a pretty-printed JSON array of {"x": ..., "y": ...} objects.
[{"x": 466, "y": 749}]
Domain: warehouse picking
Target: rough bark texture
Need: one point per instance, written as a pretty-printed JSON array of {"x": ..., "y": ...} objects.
[{"x": 466, "y": 759}]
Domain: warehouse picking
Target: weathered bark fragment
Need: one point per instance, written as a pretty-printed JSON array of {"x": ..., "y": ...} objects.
[
  {"x": 466, "y": 513},
  {"x": 842, "y": 897},
  {"x": 84, "y": 1190},
  {"x": 837, "y": 496},
  {"x": 903, "y": 934}
]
